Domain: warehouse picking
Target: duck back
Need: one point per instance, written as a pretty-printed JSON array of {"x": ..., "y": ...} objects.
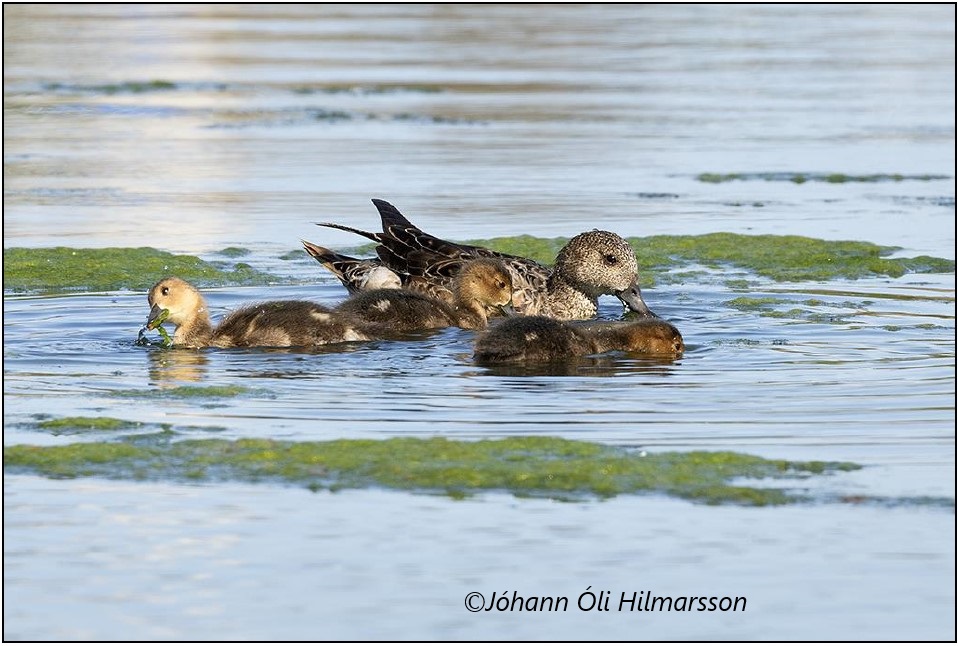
[
  {"x": 530, "y": 339},
  {"x": 284, "y": 324},
  {"x": 386, "y": 312}
]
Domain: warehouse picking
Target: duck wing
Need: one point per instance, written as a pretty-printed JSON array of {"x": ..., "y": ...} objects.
[
  {"x": 355, "y": 274},
  {"x": 403, "y": 237},
  {"x": 407, "y": 249}
]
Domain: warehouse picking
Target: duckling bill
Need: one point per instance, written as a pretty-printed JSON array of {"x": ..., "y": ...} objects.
[{"x": 538, "y": 339}]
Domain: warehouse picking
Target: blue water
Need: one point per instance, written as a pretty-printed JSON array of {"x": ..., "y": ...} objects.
[{"x": 478, "y": 122}]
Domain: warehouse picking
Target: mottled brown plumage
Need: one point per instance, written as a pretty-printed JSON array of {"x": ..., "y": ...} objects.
[
  {"x": 270, "y": 324},
  {"x": 591, "y": 264},
  {"x": 538, "y": 339},
  {"x": 481, "y": 286}
]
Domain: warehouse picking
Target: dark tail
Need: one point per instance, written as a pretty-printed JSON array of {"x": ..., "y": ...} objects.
[
  {"x": 391, "y": 216},
  {"x": 375, "y": 237}
]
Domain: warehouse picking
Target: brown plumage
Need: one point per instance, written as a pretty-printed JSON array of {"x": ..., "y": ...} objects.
[
  {"x": 482, "y": 286},
  {"x": 591, "y": 264},
  {"x": 538, "y": 339},
  {"x": 270, "y": 324}
]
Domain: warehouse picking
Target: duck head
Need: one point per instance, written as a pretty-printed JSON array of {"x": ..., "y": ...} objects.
[{"x": 601, "y": 262}]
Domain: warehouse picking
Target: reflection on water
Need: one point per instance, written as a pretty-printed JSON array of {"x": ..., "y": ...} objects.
[
  {"x": 607, "y": 365},
  {"x": 191, "y": 128},
  {"x": 171, "y": 366}
]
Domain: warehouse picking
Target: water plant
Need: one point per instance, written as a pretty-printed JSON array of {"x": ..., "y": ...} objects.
[{"x": 524, "y": 466}]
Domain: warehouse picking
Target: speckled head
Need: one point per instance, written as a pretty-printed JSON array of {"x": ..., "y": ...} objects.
[{"x": 601, "y": 262}]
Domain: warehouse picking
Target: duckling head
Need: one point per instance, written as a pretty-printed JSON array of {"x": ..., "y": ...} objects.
[
  {"x": 485, "y": 284},
  {"x": 652, "y": 336},
  {"x": 601, "y": 262},
  {"x": 181, "y": 302}
]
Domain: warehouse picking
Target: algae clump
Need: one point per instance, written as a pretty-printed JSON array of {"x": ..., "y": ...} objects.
[
  {"x": 66, "y": 268},
  {"x": 537, "y": 466},
  {"x": 187, "y": 392},
  {"x": 63, "y": 424}
]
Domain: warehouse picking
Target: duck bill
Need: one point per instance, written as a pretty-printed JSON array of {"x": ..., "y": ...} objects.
[
  {"x": 632, "y": 299},
  {"x": 508, "y": 310},
  {"x": 156, "y": 317}
]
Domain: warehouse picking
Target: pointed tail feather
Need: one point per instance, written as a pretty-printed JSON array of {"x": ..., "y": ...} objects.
[{"x": 375, "y": 237}]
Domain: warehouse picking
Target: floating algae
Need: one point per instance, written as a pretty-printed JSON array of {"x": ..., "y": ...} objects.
[
  {"x": 66, "y": 268},
  {"x": 156, "y": 324},
  {"x": 188, "y": 392},
  {"x": 780, "y": 258},
  {"x": 80, "y": 424},
  {"x": 524, "y": 466}
]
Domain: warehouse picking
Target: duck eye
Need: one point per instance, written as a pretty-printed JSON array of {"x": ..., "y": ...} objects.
[
  {"x": 611, "y": 259},
  {"x": 165, "y": 291}
]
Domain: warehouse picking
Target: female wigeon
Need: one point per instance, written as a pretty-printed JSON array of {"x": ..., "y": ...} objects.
[{"x": 589, "y": 265}]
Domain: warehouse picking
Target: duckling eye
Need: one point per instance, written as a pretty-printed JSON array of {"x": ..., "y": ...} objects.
[
  {"x": 611, "y": 259},
  {"x": 501, "y": 285},
  {"x": 165, "y": 291}
]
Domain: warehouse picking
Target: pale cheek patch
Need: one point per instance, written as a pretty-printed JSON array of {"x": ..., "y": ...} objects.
[{"x": 382, "y": 305}]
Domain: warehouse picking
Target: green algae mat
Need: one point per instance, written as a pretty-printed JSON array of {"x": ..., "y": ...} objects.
[
  {"x": 779, "y": 258},
  {"x": 524, "y": 466},
  {"x": 66, "y": 268}
]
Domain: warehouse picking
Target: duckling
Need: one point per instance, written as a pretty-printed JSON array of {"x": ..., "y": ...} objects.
[
  {"x": 538, "y": 339},
  {"x": 481, "y": 286},
  {"x": 270, "y": 324},
  {"x": 591, "y": 264}
]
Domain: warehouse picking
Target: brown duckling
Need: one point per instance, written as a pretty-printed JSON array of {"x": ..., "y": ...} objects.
[
  {"x": 591, "y": 264},
  {"x": 481, "y": 286},
  {"x": 538, "y": 339},
  {"x": 270, "y": 324}
]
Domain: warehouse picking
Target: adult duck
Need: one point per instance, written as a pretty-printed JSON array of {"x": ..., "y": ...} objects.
[{"x": 589, "y": 265}]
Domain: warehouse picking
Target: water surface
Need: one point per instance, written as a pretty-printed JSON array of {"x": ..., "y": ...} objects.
[{"x": 196, "y": 128}]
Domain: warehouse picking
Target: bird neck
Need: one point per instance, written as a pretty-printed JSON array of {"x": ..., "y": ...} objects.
[{"x": 196, "y": 331}]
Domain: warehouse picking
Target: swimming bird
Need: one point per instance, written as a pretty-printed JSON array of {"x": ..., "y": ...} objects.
[
  {"x": 482, "y": 286},
  {"x": 269, "y": 324},
  {"x": 589, "y": 265},
  {"x": 539, "y": 339}
]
